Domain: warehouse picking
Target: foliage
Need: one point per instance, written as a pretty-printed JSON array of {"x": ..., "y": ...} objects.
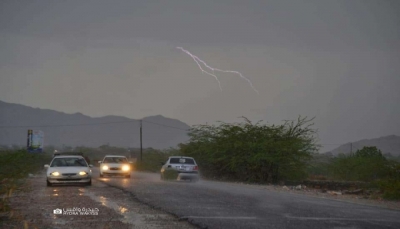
[
  {"x": 17, "y": 164},
  {"x": 390, "y": 189},
  {"x": 367, "y": 164},
  {"x": 152, "y": 159},
  {"x": 369, "y": 152},
  {"x": 318, "y": 166},
  {"x": 252, "y": 152}
]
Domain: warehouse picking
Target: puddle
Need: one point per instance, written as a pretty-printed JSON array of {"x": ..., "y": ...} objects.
[
  {"x": 129, "y": 216},
  {"x": 58, "y": 221}
]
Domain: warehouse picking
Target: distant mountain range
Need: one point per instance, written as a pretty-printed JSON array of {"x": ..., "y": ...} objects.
[
  {"x": 388, "y": 144},
  {"x": 158, "y": 132},
  {"x": 80, "y": 130}
]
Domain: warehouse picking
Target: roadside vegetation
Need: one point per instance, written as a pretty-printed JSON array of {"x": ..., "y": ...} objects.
[
  {"x": 368, "y": 165},
  {"x": 15, "y": 166},
  {"x": 261, "y": 153},
  {"x": 246, "y": 152},
  {"x": 152, "y": 159},
  {"x": 253, "y": 152},
  {"x": 286, "y": 153}
]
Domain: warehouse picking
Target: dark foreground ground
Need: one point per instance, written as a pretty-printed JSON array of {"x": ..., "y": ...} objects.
[
  {"x": 144, "y": 201},
  {"x": 229, "y": 205},
  {"x": 116, "y": 209}
]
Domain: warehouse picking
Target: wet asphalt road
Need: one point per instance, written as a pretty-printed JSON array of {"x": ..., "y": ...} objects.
[{"x": 210, "y": 204}]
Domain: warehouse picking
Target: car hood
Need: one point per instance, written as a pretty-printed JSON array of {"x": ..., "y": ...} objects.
[
  {"x": 114, "y": 164},
  {"x": 68, "y": 169}
]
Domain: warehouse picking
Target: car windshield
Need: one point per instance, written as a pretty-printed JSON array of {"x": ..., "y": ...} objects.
[
  {"x": 71, "y": 161},
  {"x": 118, "y": 160},
  {"x": 181, "y": 161}
]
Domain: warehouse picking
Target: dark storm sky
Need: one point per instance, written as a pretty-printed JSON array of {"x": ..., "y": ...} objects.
[{"x": 336, "y": 60}]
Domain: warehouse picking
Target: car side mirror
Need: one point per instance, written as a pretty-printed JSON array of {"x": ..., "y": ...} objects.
[
  {"x": 99, "y": 162},
  {"x": 91, "y": 166},
  {"x": 46, "y": 166}
]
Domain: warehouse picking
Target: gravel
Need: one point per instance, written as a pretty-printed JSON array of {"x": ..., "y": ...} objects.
[{"x": 116, "y": 209}]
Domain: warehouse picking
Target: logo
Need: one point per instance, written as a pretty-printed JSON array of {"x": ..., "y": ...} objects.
[
  {"x": 57, "y": 211},
  {"x": 76, "y": 211}
]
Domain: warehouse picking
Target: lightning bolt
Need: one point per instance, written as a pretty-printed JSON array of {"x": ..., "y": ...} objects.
[{"x": 198, "y": 61}]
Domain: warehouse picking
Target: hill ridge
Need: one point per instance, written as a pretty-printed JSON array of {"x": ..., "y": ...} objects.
[
  {"x": 124, "y": 132},
  {"x": 387, "y": 144}
]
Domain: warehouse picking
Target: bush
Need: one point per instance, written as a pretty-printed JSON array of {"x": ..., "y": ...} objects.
[
  {"x": 152, "y": 159},
  {"x": 252, "y": 152},
  {"x": 367, "y": 164},
  {"x": 390, "y": 189}
]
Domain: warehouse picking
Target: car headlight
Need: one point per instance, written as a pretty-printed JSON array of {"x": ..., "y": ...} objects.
[
  {"x": 105, "y": 167},
  {"x": 125, "y": 168},
  {"x": 82, "y": 173},
  {"x": 55, "y": 174}
]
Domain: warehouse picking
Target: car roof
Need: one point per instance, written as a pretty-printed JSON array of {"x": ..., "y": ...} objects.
[
  {"x": 181, "y": 157},
  {"x": 68, "y": 156},
  {"x": 114, "y": 156}
]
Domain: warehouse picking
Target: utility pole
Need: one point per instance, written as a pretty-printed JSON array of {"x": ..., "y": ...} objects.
[{"x": 141, "y": 141}]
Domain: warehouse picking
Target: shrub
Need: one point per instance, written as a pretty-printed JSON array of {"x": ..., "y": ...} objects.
[{"x": 390, "y": 189}]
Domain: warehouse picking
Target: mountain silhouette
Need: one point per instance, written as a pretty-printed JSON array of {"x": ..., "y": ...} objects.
[
  {"x": 387, "y": 144},
  {"x": 77, "y": 129}
]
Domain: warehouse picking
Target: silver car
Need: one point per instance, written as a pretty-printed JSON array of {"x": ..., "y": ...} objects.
[
  {"x": 115, "y": 165},
  {"x": 67, "y": 170},
  {"x": 185, "y": 168}
]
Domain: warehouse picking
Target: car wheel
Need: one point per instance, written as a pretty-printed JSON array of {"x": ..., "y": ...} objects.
[
  {"x": 48, "y": 183},
  {"x": 89, "y": 183}
]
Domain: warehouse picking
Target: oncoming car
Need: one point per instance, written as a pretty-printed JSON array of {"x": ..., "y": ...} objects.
[
  {"x": 115, "y": 165},
  {"x": 68, "y": 169},
  {"x": 185, "y": 168}
]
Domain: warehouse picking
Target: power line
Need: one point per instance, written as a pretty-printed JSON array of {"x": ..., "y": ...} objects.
[
  {"x": 333, "y": 144},
  {"x": 117, "y": 122},
  {"x": 66, "y": 125},
  {"x": 167, "y": 126},
  {"x": 88, "y": 124}
]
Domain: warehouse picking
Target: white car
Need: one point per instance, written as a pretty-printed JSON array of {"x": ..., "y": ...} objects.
[
  {"x": 115, "y": 165},
  {"x": 68, "y": 169},
  {"x": 185, "y": 167}
]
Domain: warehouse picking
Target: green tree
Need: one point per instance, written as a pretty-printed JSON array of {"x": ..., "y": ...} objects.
[
  {"x": 369, "y": 152},
  {"x": 252, "y": 152},
  {"x": 367, "y": 164}
]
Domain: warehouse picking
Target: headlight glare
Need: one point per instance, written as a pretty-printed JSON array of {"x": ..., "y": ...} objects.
[
  {"x": 125, "y": 168},
  {"x": 55, "y": 173},
  {"x": 82, "y": 173},
  {"x": 105, "y": 167}
]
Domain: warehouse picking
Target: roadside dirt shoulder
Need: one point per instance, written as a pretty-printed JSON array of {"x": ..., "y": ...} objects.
[
  {"x": 96, "y": 206},
  {"x": 353, "y": 198}
]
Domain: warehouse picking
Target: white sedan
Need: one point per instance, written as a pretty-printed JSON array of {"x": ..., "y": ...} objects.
[
  {"x": 112, "y": 165},
  {"x": 67, "y": 170}
]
